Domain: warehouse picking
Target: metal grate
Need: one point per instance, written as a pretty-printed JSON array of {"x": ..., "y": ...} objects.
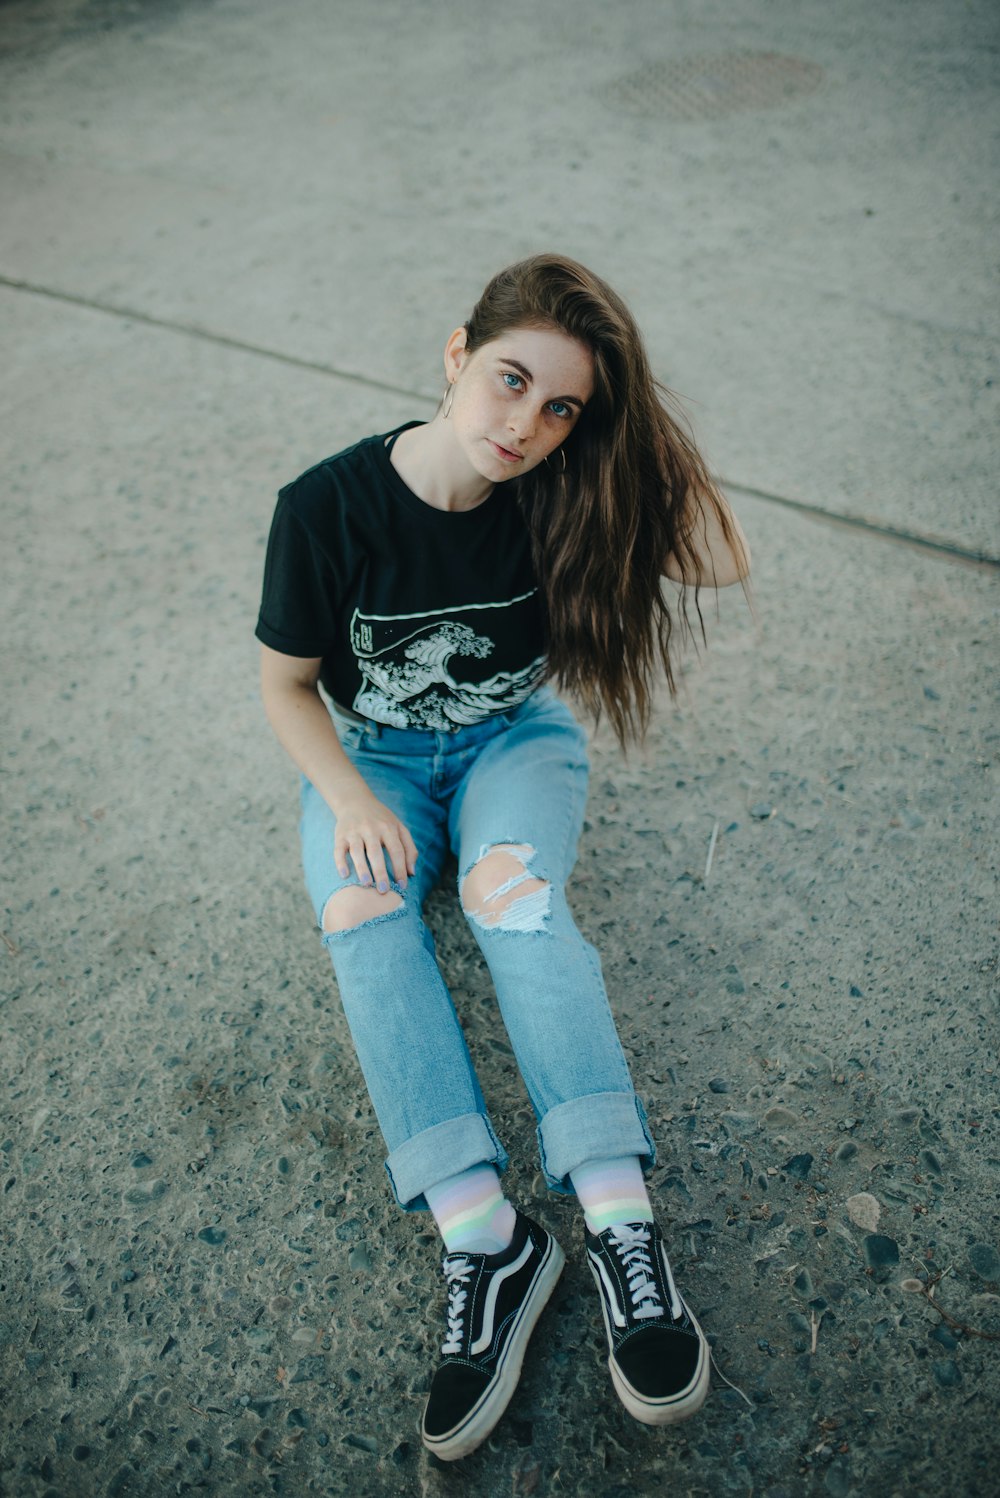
[{"x": 711, "y": 86}]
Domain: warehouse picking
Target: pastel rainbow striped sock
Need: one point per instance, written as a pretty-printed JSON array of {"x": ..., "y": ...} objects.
[
  {"x": 611, "y": 1191},
  {"x": 471, "y": 1211}
]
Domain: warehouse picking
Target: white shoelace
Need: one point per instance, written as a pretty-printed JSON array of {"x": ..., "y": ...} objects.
[
  {"x": 632, "y": 1247},
  {"x": 457, "y": 1272}
]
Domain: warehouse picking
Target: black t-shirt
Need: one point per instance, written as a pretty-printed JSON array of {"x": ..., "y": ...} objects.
[{"x": 424, "y": 618}]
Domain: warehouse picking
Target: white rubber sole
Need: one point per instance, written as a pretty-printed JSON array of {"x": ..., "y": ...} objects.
[{"x": 480, "y": 1421}]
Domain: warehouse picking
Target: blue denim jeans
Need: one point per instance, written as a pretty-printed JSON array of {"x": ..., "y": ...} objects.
[{"x": 519, "y": 778}]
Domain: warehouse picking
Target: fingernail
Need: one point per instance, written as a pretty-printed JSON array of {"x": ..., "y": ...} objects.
[{"x": 382, "y": 887}]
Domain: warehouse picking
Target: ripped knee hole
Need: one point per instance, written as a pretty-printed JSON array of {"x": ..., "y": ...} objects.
[
  {"x": 355, "y": 905},
  {"x": 499, "y": 891}
]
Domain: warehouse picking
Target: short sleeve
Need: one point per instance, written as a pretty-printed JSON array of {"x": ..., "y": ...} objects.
[{"x": 298, "y": 606}]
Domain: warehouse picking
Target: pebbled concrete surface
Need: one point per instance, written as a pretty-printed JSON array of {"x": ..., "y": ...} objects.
[{"x": 203, "y": 1284}]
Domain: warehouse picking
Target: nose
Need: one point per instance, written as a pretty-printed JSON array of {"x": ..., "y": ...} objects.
[{"x": 522, "y": 423}]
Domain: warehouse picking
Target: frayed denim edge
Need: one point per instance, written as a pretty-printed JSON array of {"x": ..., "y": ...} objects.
[{"x": 330, "y": 937}]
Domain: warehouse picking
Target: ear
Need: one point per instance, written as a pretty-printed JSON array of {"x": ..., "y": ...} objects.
[{"x": 455, "y": 355}]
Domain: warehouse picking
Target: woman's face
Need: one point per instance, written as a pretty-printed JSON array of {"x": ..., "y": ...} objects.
[{"x": 517, "y": 398}]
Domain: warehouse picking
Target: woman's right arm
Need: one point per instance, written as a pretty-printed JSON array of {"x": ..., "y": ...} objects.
[{"x": 366, "y": 829}]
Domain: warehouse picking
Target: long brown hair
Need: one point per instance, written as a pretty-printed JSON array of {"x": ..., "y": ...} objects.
[{"x": 628, "y": 497}]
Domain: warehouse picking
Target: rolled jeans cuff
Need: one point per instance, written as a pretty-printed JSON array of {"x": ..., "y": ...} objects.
[
  {"x": 439, "y": 1152},
  {"x": 603, "y": 1126}
]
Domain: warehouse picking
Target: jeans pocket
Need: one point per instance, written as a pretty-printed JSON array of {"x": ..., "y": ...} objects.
[{"x": 351, "y": 735}]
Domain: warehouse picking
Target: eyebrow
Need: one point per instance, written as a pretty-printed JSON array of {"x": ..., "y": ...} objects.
[{"x": 567, "y": 400}]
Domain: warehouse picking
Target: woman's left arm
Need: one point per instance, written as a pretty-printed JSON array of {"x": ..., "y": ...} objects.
[{"x": 717, "y": 559}]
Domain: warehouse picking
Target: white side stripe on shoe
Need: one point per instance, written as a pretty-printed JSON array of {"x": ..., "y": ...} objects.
[
  {"x": 489, "y": 1308},
  {"x": 610, "y": 1291},
  {"x": 676, "y": 1304}
]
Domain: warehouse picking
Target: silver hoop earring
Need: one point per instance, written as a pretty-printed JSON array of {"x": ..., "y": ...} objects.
[
  {"x": 449, "y": 396},
  {"x": 562, "y": 453}
]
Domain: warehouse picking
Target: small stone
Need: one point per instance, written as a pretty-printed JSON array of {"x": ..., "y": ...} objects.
[
  {"x": 985, "y": 1261},
  {"x": 779, "y": 1117},
  {"x": 141, "y": 1196},
  {"x": 359, "y": 1258},
  {"x": 856, "y": 992},
  {"x": 348, "y": 1231},
  {"x": 864, "y": 1211},
  {"x": 522, "y": 1431},
  {"x": 719, "y": 1084},
  {"x": 880, "y": 1252},
  {"x": 799, "y": 1166},
  {"x": 845, "y": 1151},
  {"x": 762, "y": 811},
  {"x": 930, "y": 1161},
  {"x": 213, "y": 1236},
  {"x": 947, "y": 1372},
  {"x": 141, "y": 1160},
  {"x": 703, "y": 1225},
  {"x": 361, "y": 1443},
  {"x": 838, "y": 1480},
  {"x": 308, "y": 1369}
]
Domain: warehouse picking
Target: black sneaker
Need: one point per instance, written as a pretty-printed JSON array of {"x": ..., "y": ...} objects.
[
  {"x": 494, "y": 1301},
  {"x": 660, "y": 1361}
]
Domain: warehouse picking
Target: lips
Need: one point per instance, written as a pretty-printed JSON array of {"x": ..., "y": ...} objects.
[{"x": 505, "y": 453}]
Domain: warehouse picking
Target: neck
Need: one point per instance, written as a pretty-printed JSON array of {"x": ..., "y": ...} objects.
[{"x": 430, "y": 462}]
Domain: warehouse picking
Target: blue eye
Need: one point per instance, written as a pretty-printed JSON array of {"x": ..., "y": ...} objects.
[
  {"x": 559, "y": 408},
  {"x": 512, "y": 381}
]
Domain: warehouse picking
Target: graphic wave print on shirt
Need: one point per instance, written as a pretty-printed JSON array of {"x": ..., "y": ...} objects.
[{"x": 429, "y": 670}]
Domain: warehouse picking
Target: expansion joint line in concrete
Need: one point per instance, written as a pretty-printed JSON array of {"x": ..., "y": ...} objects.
[
  {"x": 222, "y": 340},
  {"x": 935, "y": 546}
]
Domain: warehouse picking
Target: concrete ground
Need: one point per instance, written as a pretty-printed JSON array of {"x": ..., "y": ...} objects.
[{"x": 234, "y": 236}]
